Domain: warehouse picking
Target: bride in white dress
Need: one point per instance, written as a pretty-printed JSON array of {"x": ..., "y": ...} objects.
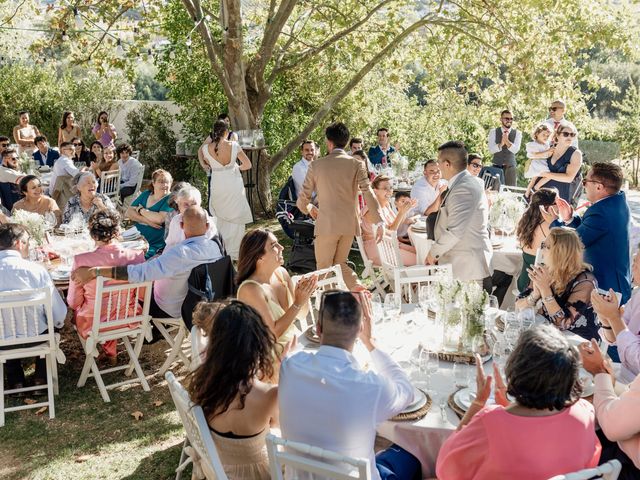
[{"x": 227, "y": 201}]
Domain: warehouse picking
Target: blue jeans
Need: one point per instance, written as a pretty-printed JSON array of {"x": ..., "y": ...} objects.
[{"x": 395, "y": 463}]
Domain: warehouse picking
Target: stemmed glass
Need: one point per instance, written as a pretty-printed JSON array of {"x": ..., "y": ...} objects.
[
  {"x": 378, "y": 308},
  {"x": 527, "y": 317},
  {"x": 392, "y": 305},
  {"x": 501, "y": 352},
  {"x": 491, "y": 312},
  {"x": 431, "y": 362},
  {"x": 508, "y": 225},
  {"x": 50, "y": 220}
]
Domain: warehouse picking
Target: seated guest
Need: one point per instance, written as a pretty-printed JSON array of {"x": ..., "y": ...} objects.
[
  {"x": 130, "y": 170},
  {"x": 170, "y": 270},
  {"x": 299, "y": 171},
  {"x": 81, "y": 154},
  {"x": 108, "y": 162},
  {"x": 96, "y": 156},
  {"x": 64, "y": 169},
  {"x": 104, "y": 228},
  {"x": 4, "y": 143},
  {"x": 44, "y": 155},
  {"x": 383, "y": 191},
  {"x": 474, "y": 164},
  {"x": 547, "y": 417},
  {"x": 238, "y": 405},
  {"x": 266, "y": 286},
  {"x": 328, "y": 401},
  {"x": 532, "y": 229},
  {"x": 18, "y": 273},
  {"x": 359, "y": 154},
  {"x": 149, "y": 211},
  {"x": 428, "y": 189},
  {"x": 86, "y": 199},
  {"x": 621, "y": 325},
  {"x": 34, "y": 200},
  {"x": 401, "y": 198},
  {"x": 617, "y": 415},
  {"x": 176, "y": 187},
  {"x": 185, "y": 198},
  {"x": 604, "y": 227},
  {"x": 355, "y": 145},
  {"x": 561, "y": 288},
  {"x": 10, "y": 176}
]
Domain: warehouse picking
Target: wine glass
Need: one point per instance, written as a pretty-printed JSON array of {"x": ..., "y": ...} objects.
[
  {"x": 424, "y": 298},
  {"x": 50, "y": 220},
  {"x": 491, "y": 311},
  {"x": 508, "y": 226},
  {"x": 377, "y": 307},
  {"x": 527, "y": 317},
  {"x": 460, "y": 373},
  {"x": 392, "y": 305},
  {"x": 501, "y": 352},
  {"x": 431, "y": 363}
]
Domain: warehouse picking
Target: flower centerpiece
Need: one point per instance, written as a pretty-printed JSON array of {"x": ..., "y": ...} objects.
[
  {"x": 27, "y": 164},
  {"x": 473, "y": 302},
  {"x": 399, "y": 164},
  {"x": 506, "y": 205},
  {"x": 34, "y": 224}
]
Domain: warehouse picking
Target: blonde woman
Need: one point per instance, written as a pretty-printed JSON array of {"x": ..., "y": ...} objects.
[{"x": 561, "y": 288}]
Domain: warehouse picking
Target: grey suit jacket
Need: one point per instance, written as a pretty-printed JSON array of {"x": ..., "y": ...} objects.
[{"x": 461, "y": 231}]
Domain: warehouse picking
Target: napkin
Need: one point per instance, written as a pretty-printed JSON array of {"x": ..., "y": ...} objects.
[{"x": 131, "y": 232}]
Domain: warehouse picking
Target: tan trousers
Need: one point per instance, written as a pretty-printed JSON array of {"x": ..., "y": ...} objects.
[{"x": 334, "y": 250}]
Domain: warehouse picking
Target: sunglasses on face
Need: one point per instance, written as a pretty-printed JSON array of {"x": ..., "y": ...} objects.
[
  {"x": 553, "y": 109},
  {"x": 5, "y": 145},
  {"x": 587, "y": 180},
  {"x": 568, "y": 134},
  {"x": 476, "y": 165},
  {"x": 508, "y": 119},
  {"x": 77, "y": 144}
]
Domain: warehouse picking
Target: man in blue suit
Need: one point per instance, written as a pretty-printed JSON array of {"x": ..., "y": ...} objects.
[
  {"x": 44, "y": 155},
  {"x": 604, "y": 228}
]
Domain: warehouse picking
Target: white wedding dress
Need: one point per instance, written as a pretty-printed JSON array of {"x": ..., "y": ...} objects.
[{"x": 227, "y": 201}]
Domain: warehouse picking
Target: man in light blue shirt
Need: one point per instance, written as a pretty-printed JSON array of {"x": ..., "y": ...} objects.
[
  {"x": 130, "y": 169},
  {"x": 300, "y": 169},
  {"x": 18, "y": 273},
  {"x": 169, "y": 271}
]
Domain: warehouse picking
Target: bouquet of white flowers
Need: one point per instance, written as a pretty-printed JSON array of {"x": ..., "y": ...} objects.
[
  {"x": 34, "y": 224},
  {"x": 399, "y": 164},
  {"x": 506, "y": 204},
  {"x": 473, "y": 302}
]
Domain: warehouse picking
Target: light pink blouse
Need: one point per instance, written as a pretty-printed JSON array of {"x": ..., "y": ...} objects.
[{"x": 498, "y": 444}]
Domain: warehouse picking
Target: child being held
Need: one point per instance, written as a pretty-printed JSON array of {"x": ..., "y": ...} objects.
[
  {"x": 537, "y": 152},
  {"x": 403, "y": 229}
]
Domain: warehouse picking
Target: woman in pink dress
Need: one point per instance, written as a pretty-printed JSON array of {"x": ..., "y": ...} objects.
[
  {"x": 547, "y": 431},
  {"x": 383, "y": 192},
  {"x": 104, "y": 227}
]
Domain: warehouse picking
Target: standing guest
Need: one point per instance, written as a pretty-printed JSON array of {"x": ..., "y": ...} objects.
[
  {"x": 379, "y": 155},
  {"x": 302, "y": 166},
  {"x": 561, "y": 288},
  {"x": 149, "y": 211},
  {"x": 86, "y": 199},
  {"x": 266, "y": 286},
  {"x": 25, "y": 134},
  {"x": 104, "y": 228},
  {"x": 44, "y": 155},
  {"x": 69, "y": 129},
  {"x": 184, "y": 198},
  {"x": 504, "y": 143},
  {"x": 604, "y": 227},
  {"x": 63, "y": 167},
  {"x": 547, "y": 417},
  {"x": 231, "y": 135},
  {"x": 104, "y": 131},
  {"x": 383, "y": 192},
  {"x": 229, "y": 386},
  {"x": 328, "y": 401},
  {"x": 556, "y": 117},
  {"x": 462, "y": 227},
  {"x": 34, "y": 200},
  {"x": 427, "y": 190},
  {"x": 81, "y": 154},
  {"x": 227, "y": 201},
  {"x": 18, "y": 273},
  {"x": 10, "y": 176},
  {"x": 337, "y": 178},
  {"x": 617, "y": 414},
  {"x": 130, "y": 170},
  {"x": 355, "y": 145},
  {"x": 538, "y": 151},
  {"x": 564, "y": 164},
  {"x": 620, "y": 325},
  {"x": 168, "y": 271},
  {"x": 532, "y": 230}
]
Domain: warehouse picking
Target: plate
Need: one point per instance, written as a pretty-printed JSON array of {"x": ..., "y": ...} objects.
[
  {"x": 311, "y": 335},
  {"x": 464, "y": 397},
  {"x": 133, "y": 244},
  {"x": 419, "y": 401}
]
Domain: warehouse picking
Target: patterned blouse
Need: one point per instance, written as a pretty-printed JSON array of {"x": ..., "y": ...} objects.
[{"x": 73, "y": 207}]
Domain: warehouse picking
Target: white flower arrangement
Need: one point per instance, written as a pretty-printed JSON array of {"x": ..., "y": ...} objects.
[
  {"x": 399, "y": 164},
  {"x": 474, "y": 300},
  {"x": 506, "y": 203},
  {"x": 34, "y": 224}
]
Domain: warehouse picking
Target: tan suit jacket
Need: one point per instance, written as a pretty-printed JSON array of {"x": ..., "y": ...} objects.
[{"x": 337, "y": 178}]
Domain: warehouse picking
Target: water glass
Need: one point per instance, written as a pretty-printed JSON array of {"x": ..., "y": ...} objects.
[
  {"x": 527, "y": 317},
  {"x": 492, "y": 310},
  {"x": 392, "y": 305},
  {"x": 377, "y": 307},
  {"x": 424, "y": 298},
  {"x": 460, "y": 374}
]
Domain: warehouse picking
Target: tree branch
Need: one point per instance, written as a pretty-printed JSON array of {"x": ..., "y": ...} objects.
[
  {"x": 272, "y": 32},
  {"x": 105, "y": 32},
  {"x": 15, "y": 12}
]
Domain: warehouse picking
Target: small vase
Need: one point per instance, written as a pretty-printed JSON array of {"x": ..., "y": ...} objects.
[{"x": 452, "y": 326}]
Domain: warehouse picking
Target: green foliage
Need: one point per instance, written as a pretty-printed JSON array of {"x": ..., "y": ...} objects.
[
  {"x": 628, "y": 131},
  {"x": 46, "y": 93}
]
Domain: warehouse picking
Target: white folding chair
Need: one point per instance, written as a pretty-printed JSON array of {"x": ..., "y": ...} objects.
[
  {"x": 198, "y": 447},
  {"x": 20, "y": 312},
  {"x": 509, "y": 188},
  {"x": 79, "y": 165},
  {"x": 390, "y": 258},
  {"x": 110, "y": 184},
  {"x": 606, "y": 471},
  {"x": 198, "y": 347},
  {"x": 489, "y": 180},
  {"x": 119, "y": 302},
  {"x": 408, "y": 280},
  {"x": 328, "y": 279},
  {"x": 314, "y": 460},
  {"x": 175, "y": 333},
  {"x": 371, "y": 271}
]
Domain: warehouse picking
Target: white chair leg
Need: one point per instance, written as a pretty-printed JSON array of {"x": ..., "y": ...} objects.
[
  {"x": 85, "y": 370},
  {"x": 176, "y": 350},
  {"x": 1, "y": 394},
  {"x": 54, "y": 373},
  {"x": 183, "y": 457},
  {"x": 50, "y": 360},
  {"x": 134, "y": 359},
  {"x": 98, "y": 378}
]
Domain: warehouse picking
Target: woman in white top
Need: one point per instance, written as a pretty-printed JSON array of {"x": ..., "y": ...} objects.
[
  {"x": 537, "y": 152},
  {"x": 25, "y": 134},
  {"x": 227, "y": 201},
  {"x": 186, "y": 197}
]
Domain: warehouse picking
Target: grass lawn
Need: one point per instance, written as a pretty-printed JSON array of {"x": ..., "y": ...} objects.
[{"x": 90, "y": 439}]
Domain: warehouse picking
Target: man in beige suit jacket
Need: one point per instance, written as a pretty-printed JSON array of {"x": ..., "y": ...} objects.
[{"x": 337, "y": 178}]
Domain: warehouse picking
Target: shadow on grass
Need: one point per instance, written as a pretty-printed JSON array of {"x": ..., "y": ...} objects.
[{"x": 160, "y": 465}]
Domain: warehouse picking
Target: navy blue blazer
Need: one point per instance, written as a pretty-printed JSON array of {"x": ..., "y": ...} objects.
[
  {"x": 51, "y": 157},
  {"x": 604, "y": 231}
]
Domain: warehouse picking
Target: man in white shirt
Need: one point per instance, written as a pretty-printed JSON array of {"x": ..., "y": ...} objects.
[
  {"x": 18, "y": 273},
  {"x": 63, "y": 166},
  {"x": 328, "y": 401},
  {"x": 130, "y": 169},
  {"x": 428, "y": 189},
  {"x": 504, "y": 144},
  {"x": 556, "y": 117},
  {"x": 10, "y": 175},
  {"x": 301, "y": 168}
]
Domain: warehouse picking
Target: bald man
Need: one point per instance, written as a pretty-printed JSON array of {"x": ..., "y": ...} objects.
[{"x": 170, "y": 270}]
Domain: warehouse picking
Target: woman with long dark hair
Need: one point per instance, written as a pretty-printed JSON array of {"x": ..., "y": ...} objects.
[
  {"x": 104, "y": 131},
  {"x": 80, "y": 152},
  {"x": 532, "y": 229},
  {"x": 69, "y": 129},
  {"x": 238, "y": 406},
  {"x": 227, "y": 201}
]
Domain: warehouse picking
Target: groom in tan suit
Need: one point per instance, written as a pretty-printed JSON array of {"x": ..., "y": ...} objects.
[{"x": 337, "y": 178}]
